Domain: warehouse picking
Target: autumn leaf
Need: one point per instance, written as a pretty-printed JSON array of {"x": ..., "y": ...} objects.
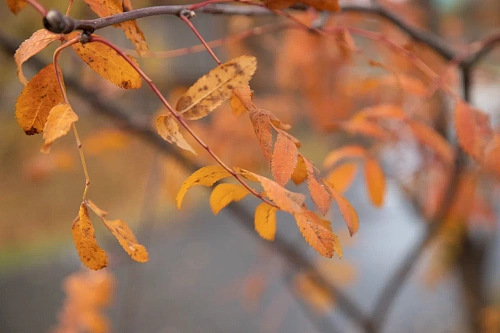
[
  {"x": 109, "y": 64},
  {"x": 239, "y": 94},
  {"x": 16, "y": 6},
  {"x": 58, "y": 124},
  {"x": 351, "y": 151},
  {"x": 299, "y": 174},
  {"x": 367, "y": 128},
  {"x": 342, "y": 176},
  {"x": 284, "y": 159},
  {"x": 168, "y": 129},
  {"x": 31, "y": 46},
  {"x": 89, "y": 251},
  {"x": 261, "y": 122},
  {"x": 224, "y": 194},
  {"x": 90, "y": 204},
  {"x": 375, "y": 181},
  {"x": 38, "y": 97},
  {"x": 348, "y": 212},
  {"x": 205, "y": 176},
  {"x": 318, "y": 234},
  {"x": 429, "y": 137},
  {"x": 265, "y": 221},
  {"x": 279, "y": 4},
  {"x": 317, "y": 188},
  {"x": 216, "y": 87},
  {"x": 127, "y": 239},
  {"x": 131, "y": 29}
]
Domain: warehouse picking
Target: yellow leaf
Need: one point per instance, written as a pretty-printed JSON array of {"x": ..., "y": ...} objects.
[
  {"x": 109, "y": 64},
  {"x": 299, "y": 174},
  {"x": 348, "y": 212},
  {"x": 131, "y": 29},
  {"x": 205, "y": 176},
  {"x": 375, "y": 181},
  {"x": 89, "y": 251},
  {"x": 16, "y": 6},
  {"x": 318, "y": 234},
  {"x": 216, "y": 87},
  {"x": 58, "y": 124},
  {"x": 342, "y": 176},
  {"x": 168, "y": 129},
  {"x": 284, "y": 160},
  {"x": 317, "y": 188},
  {"x": 127, "y": 240},
  {"x": 224, "y": 194},
  {"x": 265, "y": 221},
  {"x": 31, "y": 46},
  {"x": 39, "y": 96}
]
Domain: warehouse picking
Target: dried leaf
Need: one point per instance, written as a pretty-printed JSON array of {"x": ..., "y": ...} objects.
[
  {"x": 89, "y": 251},
  {"x": 205, "y": 176},
  {"x": 261, "y": 122},
  {"x": 375, "y": 181},
  {"x": 111, "y": 7},
  {"x": 342, "y": 176},
  {"x": 224, "y": 194},
  {"x": 243, "y": 93},
  {"x": 299, "y": 174},
  {"x": 428, "y": 136},
  {"x": 318, "y": 234},
  {"x": 90, "y": 204},
  {"x": 317, "y": 188},
  {"x": 284, "y": 159},
  {"x": 31, "y": 46},
  {"x": 39, "y": 96},
  {"x": 109, "y": 64},
  {"x": 168, "y": 129},
  {"x": 265, "y": 221},
  {"x": 348, "y": 212},
  {"x": 127, "y": 240},
  {"x": 351, "y": 151},
  {"x": 58, "y": 124},
  {"x": 16, "y": 6},
  {"x": 216, "y": 87}
]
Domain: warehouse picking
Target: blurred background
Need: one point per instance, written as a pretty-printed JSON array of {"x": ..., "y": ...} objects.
[{"x": 211, "y": 273}]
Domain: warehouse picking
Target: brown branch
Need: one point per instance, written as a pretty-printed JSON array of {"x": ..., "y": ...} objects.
[{"x": 287, "y": 251}]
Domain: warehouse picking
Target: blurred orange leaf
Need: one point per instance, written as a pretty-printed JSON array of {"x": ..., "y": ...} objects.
[
  {"x": 109, "y": 64},
  {"x": 39, "y": 96},
  {"x": 351, "y": 151},
  {"x": 224, "y": 194},
  {"x": 58, "y": 124},
  {"x": 375, "y": 181},
  {"x": 206, "y": 94},
  {"x": 89, "y": 251},
  {"x": 31, "y": 46},
  {"x": 342, "y": 176},
  {"x": 284, "y": 159},
  {"x": 205, "y": 176},
  {"x": 428, "y": 136},
  {"x": 318, "y": 234},
  {"x": 348, "y": 212},
  {"x": 265, "y": 221},
  {"x": 16, "y": 6},
  {"x": 168, "y": 129}
]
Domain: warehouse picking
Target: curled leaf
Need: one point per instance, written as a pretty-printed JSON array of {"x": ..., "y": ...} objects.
[
  {"x": 224, "y": 194},
  {"x": 168, "y": 129},
  {"x": 127, "y": 240},
  {"x": 89, "y": 251},
  {"x": 216, "y": 87},
  {"x": 265, "y": 221},
  {"x": 58, "y": 124}
]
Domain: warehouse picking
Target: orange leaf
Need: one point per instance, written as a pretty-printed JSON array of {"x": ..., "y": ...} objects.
[
  {"x": 265, "y": 221},
  {"x": 16, "y": 6},
  {"x": 318, "y": 234},
  {"x": 342, "y": 176},
  {"x": 131, "y": 29},
  {"x": 205, "y": 176},
  {"x": 58, "y": 124},
  {"x": 215, "y": 87},
  {"x": 375, "y": 181},
  {"x": 284, "y": 159},
  {"x": 279, "y": 4},
  {"x": 89, "y": 251},
  {"x": 383, "y": 111},
  {"x": 224, "y": 194},
  {"x": 168, "y": 129},
  {"x": 299, "y": 174},
  {"x": 366, "y": 128},
  {"x": 317, "y": 188},
  {"x": 39, "y": 96},
  {"x": 473, "y": 129},
  {"x": 127, "y": 240},
  {"x": 243, "y": 93},
  {"x": 348, "y": 212},
  {"x": 429, "y": 137},
  {"x": 261, "y": 122},
  {"x": 31, "y": 46},
  {"x": 351, "y": 151},
  {"x": 109, "y": 64},
  {"x": 329, "y": 5}
]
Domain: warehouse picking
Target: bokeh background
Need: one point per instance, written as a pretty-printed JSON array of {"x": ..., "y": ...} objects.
[{"x": 206, "y": 273}]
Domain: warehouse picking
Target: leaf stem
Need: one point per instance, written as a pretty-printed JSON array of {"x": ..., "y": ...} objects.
[
  {"x": 191, "y": 26},
  {"x": 181, "y": 120},
  {"x": 38, "y": 7}
]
